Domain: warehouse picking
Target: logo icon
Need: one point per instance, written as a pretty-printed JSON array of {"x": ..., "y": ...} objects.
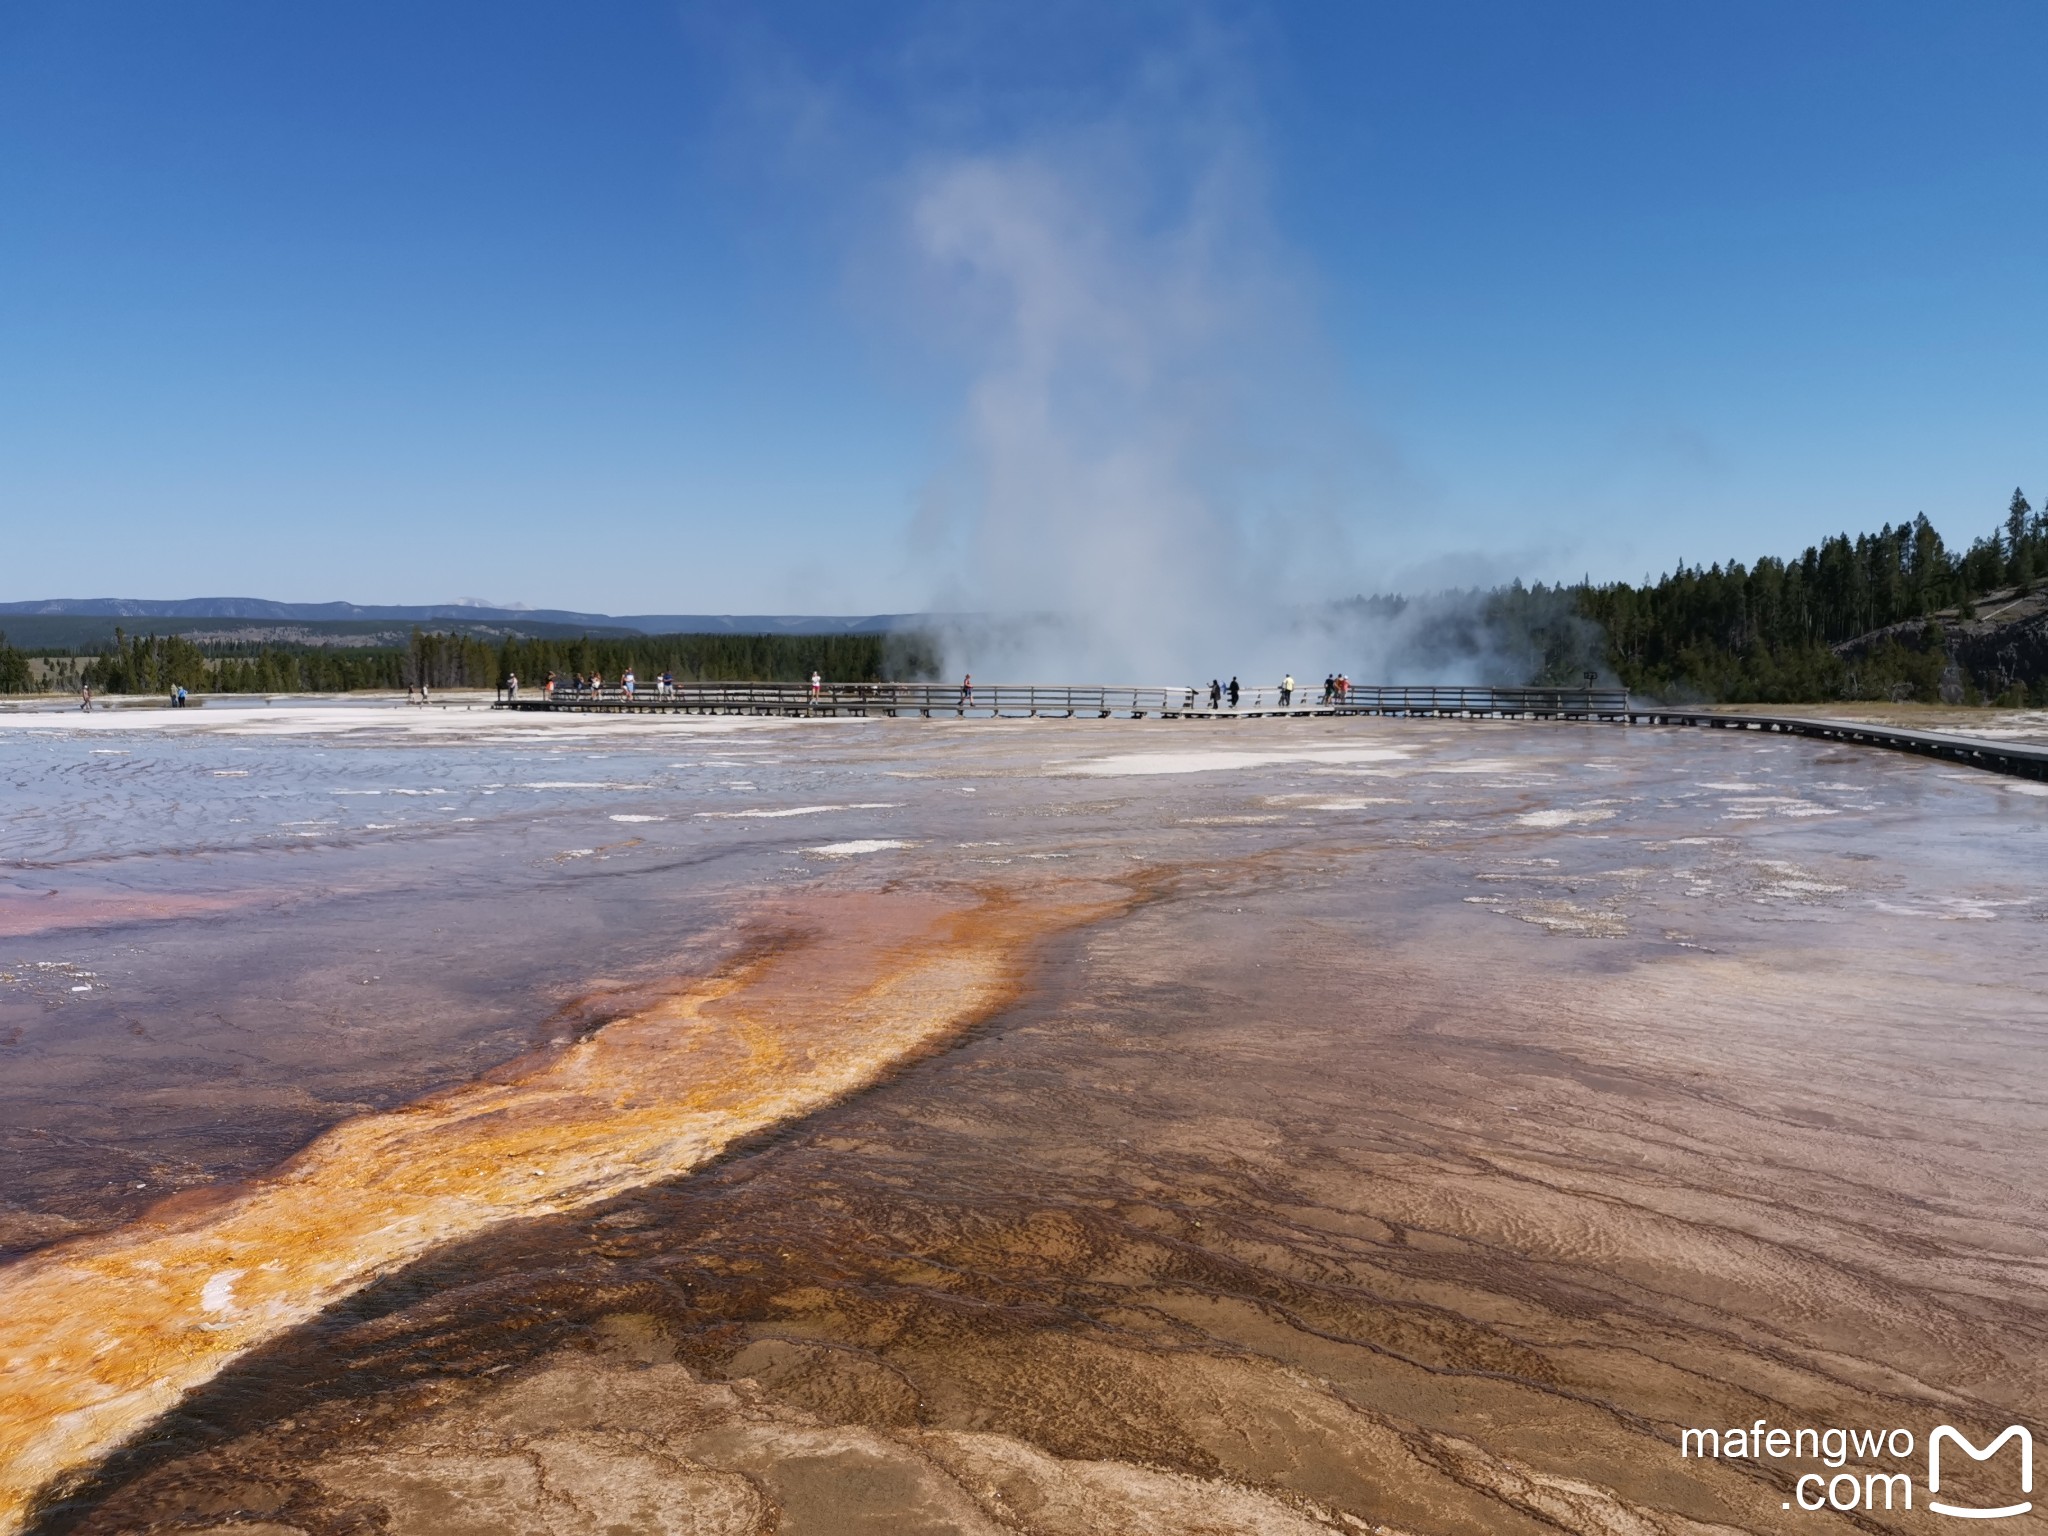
[{"x": 1948, "y": 1432}]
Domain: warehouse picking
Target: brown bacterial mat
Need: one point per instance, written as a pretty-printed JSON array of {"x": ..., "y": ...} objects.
[{"x": 1405, "y": 1145}]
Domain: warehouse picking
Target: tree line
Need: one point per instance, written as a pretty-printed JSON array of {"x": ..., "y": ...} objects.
[
  {"x": 1777, "y": 631},
  {"x": 1770, "y": 632},
  {"x": 901, "y": 656},
  {"x": 146, "y": 664}
]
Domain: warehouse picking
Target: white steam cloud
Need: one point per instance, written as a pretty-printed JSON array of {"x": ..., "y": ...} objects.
[
  {"x": 1156, "y": 478},
  {"x": 1126, "y": 503}
]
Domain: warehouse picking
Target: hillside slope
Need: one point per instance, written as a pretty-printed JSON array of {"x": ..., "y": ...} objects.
[{"x": 1998, "y": 652}]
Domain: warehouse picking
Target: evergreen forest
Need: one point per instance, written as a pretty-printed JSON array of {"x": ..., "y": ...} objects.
[
  {"x": 147, "y": 664},
  {"x": 1886, "y": 615},
  {"x": 1781, "y": 631}
]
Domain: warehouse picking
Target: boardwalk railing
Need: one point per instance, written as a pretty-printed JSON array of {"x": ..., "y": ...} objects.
[
  {"x": 1541, "y": 703},
  {"x": 1067, "y": 701},
  {"x": 2024, "y": 760},
  {"x": 1097, "y": 701}
]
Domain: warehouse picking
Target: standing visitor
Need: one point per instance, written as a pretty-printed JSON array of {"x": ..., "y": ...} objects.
[
  {"x": 967, "y": 692},
  {"x": 423, "y": 695},
  {"x": 1233, "y": 693},
  {"x": 628, "y": 682},
  {"x": 1215, "y": 694},
  {"x": 512, "y": 685},
  {"x": 817, "y": 682},
  {"x": 547, "y": 688},
  {"x": 1287, "y": 689},
  {"x": 85, "y": 696}
]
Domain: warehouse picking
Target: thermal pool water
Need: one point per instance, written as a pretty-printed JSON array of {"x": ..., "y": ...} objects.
[{"x": 434, "y": 1122}]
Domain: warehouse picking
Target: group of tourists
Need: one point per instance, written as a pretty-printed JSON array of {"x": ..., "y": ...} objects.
[
  {"x": 593, "y": 686},
  {"x": 1336, "y": 690}
]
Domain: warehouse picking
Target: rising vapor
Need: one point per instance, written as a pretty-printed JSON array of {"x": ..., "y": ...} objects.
[
  {"x": 1127, "y": 317},
  {"x": 1149, "y": 440}
]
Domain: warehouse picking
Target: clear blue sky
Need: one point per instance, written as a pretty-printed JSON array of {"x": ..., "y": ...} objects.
[{"x": 639, "y": 307}]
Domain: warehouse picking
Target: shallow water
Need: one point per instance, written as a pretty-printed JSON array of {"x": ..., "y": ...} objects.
[{"x": 1401, "y": 1122}]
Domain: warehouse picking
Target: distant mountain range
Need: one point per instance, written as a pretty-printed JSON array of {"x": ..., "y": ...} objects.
[
  {"x": 263, "y": 610},
  {"x": 85, "y": 625}
]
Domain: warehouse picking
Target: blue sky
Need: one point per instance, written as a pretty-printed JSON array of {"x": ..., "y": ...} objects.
[{"x": 827, "y": 308}]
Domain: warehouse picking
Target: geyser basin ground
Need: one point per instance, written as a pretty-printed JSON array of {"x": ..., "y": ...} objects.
[{"x": 1314, "y": 1126}]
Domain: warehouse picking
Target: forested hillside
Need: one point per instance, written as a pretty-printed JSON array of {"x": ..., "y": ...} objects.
[{"x": 1786, "y": 631}]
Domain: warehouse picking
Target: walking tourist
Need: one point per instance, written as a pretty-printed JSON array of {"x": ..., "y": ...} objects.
[
  {"x": 1287, "y": 690},
  {"x": 1233, "y": 693},
  {"x": 967, "y": 691},
  {"x": 512, "y": 685},
  {"x": 817, "y": 683},
  {"x": 628, "y": 682},
  {"x": 1215, "y": 694}
]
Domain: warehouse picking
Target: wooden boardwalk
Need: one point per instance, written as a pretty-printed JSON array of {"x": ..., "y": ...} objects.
[
  {"x": 1101, "y": 702},
  {"x": 2010, "y": 757},
  {"x": 1074, "y": 701}
]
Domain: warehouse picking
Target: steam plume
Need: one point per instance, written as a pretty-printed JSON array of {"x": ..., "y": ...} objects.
[{"x": 1120, "y": 506}]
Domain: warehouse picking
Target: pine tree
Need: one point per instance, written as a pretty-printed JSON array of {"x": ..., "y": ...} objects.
[{"x": 14, "y": 669}]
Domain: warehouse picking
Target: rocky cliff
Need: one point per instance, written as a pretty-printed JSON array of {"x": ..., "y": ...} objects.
[{"x": 2000, "y": 648}]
